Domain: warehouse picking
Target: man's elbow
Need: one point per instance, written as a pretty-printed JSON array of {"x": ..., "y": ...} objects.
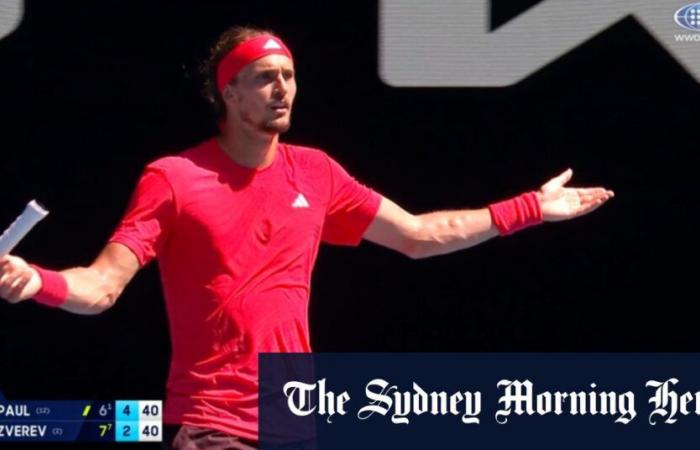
[
  {"x": 427, "y": 237},
  {"x": 418, "y": 250},
  {"x": 105, "y": 304},
  {"x": 413, "y": 253},
  {"x": 106, "y": 299},
  {"x": 109, "y": 299},
  {"x": 415, "y": 243},
  {"x": 109, "y": 289}
]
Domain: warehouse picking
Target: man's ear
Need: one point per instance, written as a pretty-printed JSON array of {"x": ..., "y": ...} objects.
[{"x": 228, "y": 94}]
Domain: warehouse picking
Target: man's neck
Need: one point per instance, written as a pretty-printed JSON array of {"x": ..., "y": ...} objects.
[{"x": 255, "y": 151}]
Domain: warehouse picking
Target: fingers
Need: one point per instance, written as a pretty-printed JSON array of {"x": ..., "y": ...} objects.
[
  {"x": 588, "y": 195},
  {"x": 565, "y": 176},
  {"x": 590, "y": 205},
  {"x": 558, "y": 181},
  {"x": 596, "y": 190},
  {"x": 9, "y": 276},
  {"x": 14, "y": 276},
  {"x": 13, "y": 281},
  {"x": 18, "y": 286}
]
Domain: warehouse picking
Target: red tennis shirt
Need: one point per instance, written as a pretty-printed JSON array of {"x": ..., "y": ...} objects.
[{"x": 235, "y": 248}]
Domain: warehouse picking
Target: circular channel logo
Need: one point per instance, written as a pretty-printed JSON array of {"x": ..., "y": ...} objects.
[{"x": 688, "y": 17}]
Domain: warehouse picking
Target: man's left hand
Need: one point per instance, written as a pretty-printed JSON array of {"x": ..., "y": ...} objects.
[{"x": 562, "y": 203}]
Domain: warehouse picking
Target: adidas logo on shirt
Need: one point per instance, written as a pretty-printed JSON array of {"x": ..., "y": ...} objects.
[
  {"x": 300, "y": 202},
  {"x": 271, "y": 44}
]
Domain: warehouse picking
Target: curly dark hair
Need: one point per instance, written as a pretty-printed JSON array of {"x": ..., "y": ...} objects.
[{"x": 226, "y": 41}]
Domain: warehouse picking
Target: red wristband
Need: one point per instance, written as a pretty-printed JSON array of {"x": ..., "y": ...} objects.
[
  {"x": 516, "y": 213},
  {"x": 54, "y": 288}
]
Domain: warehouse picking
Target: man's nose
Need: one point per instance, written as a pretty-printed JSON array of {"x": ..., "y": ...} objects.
[{"x": 281, "y": 84}]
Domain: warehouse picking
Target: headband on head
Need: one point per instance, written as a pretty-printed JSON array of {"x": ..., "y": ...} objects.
[{"x": 245, "y": 53}]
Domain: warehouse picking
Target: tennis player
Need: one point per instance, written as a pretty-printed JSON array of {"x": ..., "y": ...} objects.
[{"x": 235, "y": 224}]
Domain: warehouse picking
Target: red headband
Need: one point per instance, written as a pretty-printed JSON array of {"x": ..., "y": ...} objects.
[{"x": 245, "y": 53}]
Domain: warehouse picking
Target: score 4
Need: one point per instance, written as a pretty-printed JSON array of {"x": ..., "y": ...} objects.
[{"x": 139, "y": 421}]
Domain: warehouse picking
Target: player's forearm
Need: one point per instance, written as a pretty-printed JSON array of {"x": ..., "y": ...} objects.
[
  {"x": 81, "y": 290},
  {"x": 90, "y": 290},
  {"x": 443, "y": 232}
]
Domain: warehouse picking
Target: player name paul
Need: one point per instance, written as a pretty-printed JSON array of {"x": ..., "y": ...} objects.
[
  {"x": 15, "y": 431},
  {"x": 14, "y": 410}
]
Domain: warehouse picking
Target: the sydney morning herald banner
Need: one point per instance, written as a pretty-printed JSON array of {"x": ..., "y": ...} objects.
[{"x": 491, "y": 401}]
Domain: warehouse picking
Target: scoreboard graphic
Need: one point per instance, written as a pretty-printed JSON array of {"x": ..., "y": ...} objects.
[{"x": 81, "y": 420}]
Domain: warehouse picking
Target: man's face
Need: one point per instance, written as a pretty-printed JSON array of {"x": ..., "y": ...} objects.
[{"x": 263, "y": 94}]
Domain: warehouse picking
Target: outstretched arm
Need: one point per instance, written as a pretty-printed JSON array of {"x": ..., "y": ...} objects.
[
  {"x": 91, "y": 289},
  {"x": 424, "y": 235}
]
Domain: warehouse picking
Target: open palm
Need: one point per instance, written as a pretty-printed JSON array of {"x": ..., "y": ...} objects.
[{"x": 561, "y": 203}]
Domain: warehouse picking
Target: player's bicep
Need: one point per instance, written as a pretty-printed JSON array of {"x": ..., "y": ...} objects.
[{"x": 393, "y": 227}]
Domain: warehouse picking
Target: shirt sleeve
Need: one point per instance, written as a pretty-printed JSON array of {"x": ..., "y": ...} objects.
[
  {"x": 351, "y": 208},
  {"x": 148, "y": 218}
]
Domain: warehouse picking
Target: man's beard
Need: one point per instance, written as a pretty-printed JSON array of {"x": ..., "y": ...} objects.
[{"x": 272, "y": 126}]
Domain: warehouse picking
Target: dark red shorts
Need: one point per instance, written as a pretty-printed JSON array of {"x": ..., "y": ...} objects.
[{"x": 185, "y": 437}]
